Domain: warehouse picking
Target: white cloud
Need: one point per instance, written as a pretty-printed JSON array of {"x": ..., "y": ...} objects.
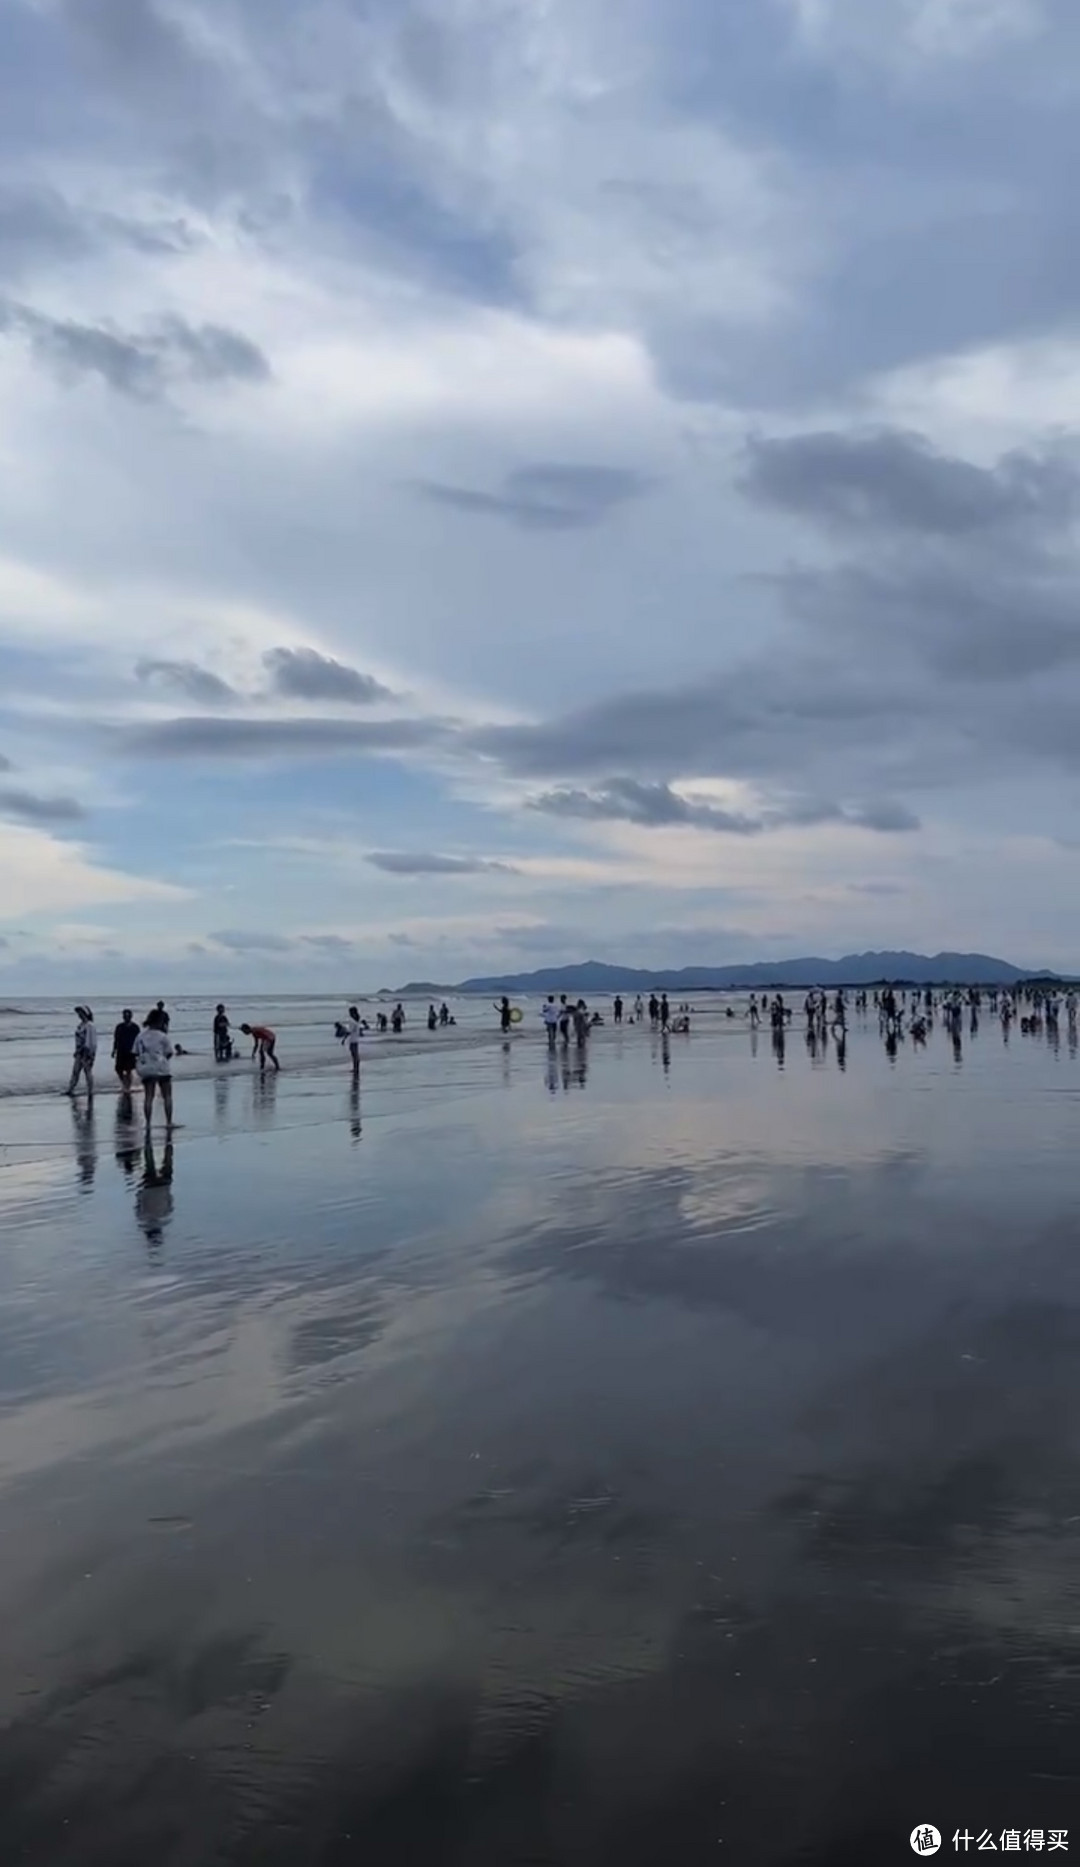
[
  {"x": 44, "y": 875},
  {"x": 492, "y": 244},
  {"x": 928, "y": 29}
]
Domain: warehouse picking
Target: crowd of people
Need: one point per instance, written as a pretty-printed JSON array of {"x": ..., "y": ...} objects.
[{"x": 145, "y": 1051}]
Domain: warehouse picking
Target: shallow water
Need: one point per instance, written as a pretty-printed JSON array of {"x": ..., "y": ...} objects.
[{"x": 657, "y": 1456}]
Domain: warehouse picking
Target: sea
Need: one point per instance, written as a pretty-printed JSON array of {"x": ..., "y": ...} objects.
[{"x": 36, "y": 1034}]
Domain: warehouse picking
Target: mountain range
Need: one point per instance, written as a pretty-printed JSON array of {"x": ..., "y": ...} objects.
[{"x": 593, "y": 976}]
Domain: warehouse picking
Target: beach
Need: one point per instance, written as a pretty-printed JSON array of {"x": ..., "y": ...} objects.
[{"x": 667, "y": 1451}]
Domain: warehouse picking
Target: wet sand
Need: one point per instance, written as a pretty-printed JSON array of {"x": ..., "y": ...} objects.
[{"x": 625, "y": 1464}]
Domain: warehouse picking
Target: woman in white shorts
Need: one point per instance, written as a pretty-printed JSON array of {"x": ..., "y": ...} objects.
[{"x": 153, "y": 1060}]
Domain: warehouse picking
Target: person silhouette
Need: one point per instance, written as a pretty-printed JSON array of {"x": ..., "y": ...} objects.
[
  {"x": 85, "y": 1145},
  {"x": 154, "y": 1196}
]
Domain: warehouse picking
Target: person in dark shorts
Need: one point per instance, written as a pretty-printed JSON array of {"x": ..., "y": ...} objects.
[
  {"x": 223, "y": 1046},
  {"x": 123, "y": 1049}
]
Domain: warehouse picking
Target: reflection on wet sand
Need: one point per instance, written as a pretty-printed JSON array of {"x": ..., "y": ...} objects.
[
  {"x": 154, "y": 1198},
  {"x": 85, "y": 1139},
  {"x": 680, "y": 1470}
]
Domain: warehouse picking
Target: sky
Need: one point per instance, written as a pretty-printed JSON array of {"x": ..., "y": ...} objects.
[{"x": 490, "y": 483}]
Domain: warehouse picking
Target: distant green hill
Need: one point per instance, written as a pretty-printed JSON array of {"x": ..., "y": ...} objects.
[{"x": 854, "y": 969}]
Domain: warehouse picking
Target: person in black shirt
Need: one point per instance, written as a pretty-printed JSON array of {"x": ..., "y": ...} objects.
[
  {"x": 123, "y": 1049},
  {"x": 223, "y": 1048}
]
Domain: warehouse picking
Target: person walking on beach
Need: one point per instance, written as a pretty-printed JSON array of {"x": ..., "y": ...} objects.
[
  {"x": 264, "y": 1044},
  {"x": 153, "y": 1060},
  {"x": 550, "y": 1015},
  {"x": 82, "y": 1063},
  {"x": 123, "y": 1050},
  {"x": 162, "y": 1015},
  {"x": 353, "y": 1032},
  {"x": 432, "y": 1018},
  {"x": 665, "y": 1014},
  {"x": 617, "y": 1008},
  {"x": 444, "y": 1013},
  {"x": 222, "y": 1036},
  {"x": 397, "y": 1020},
  {"x": 506, "y": 1019}
]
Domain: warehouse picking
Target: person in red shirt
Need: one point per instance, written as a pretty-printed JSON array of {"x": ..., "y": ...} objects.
[{"x": 264, "y": 1043}]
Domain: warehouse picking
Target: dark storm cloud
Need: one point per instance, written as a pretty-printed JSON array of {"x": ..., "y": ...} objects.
[
  {"x": 209, "y": 352},
  {"x": 887, "y": 817},
  {"x": 952, "y": 220},
  {"x": 972, "y": 616},
  {"x": 327, "y": 943},
  {"x": 943, "y": 204},
  {"x": 140, "y": 365},
  {"x": 654, "y": 806},
  {"x": 242, "y": 942},
  {"x": 757, "y": 720},
  {"x": 27, "y": 807},
  {"x": 302, "y": 674},
  {"x": 632, "y": 801},
  {"x": 40, "y": 227},
  {"x": 133, "y": 42},
  {"x": 187, "y": 678},
  {"x": 401, "y": 862},
  {"x": 199, "y": 737},
  {"x": 37, "y": 224},
  {"x": 897, "y": 481},
  {"x": 954, "y": 574},
  {"x": 547, "y": 498}
]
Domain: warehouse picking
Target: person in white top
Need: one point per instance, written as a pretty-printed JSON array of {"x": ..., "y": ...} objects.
[
  {"x": 153, "y": 1060},
  {"x": 550, "y": 1013},
  {"x": 354, "y": 1030},
  {"x": 85, "y": 1050}
]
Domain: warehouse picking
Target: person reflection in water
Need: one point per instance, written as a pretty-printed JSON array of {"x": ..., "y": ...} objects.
[
  {"x": 264, "y": 1097},
  {"x": 154, "y": 1197},
  {"x": 355, "y": 1126},
  {"x": 85, "y": 1145},
  {"x": 125, "y": 1145}
]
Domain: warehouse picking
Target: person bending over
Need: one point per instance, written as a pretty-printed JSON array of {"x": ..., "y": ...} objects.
[{"x": 264, "y": 1044}]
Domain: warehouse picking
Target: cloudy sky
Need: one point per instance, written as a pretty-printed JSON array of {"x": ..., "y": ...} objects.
[{"x": 497, "y": 481}]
